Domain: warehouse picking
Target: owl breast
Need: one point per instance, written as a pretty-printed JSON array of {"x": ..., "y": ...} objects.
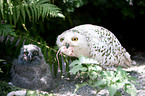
[{"x": 84, "y": 50}]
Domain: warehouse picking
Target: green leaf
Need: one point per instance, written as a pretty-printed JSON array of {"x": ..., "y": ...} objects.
[
  {"x": 1, "y": 6},
  {"x": 35, "y": 12},
  {"x": 1, "y": 60},
  {"x": 120, "y": 85},
  {"x": 100, "y": 83},
  {"x": 61, "y": 15},
  {"x": 97, "y": 68},
  {"x": 94, "y": 75},
  {"x": 23, "y": 12},
  {"x": 112, "y": 89},
  {"x": 130, "y": 89},
  {"x": 83, "y": 69},
  {"x": 6, "y": 29},
  {"x": 10, "y": 18},
  {"x": 106, "y": 74},
  {"x": 14, "y": 16},
  {"x": 28, "y": 12},
  {"x": 39, "y": 8},
  {"x": 18, "y": 12},
  {"x": 32, "y": 12},
  {"x": 75, "y": 69},
  {"x": 42, "y": 2},
  {"x": 75, "y": 62}
]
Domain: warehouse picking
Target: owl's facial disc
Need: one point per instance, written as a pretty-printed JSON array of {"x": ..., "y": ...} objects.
[
  {"x": 30, "y": 56},
  {"x": 73, "y": 44}
]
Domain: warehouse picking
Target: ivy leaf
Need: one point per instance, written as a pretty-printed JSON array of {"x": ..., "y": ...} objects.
[
  {"x": 120, "y": 85},
  {"x": 75, "y": 62},
  {"x": 94, "y": 75},
  {"x": 75, "y": 69},
  {"x": 98, "y": 68},
  {"x": 130, "y": 89},
  {"x": 100, "y": 82},
  {"x": 112, "y": 89}
]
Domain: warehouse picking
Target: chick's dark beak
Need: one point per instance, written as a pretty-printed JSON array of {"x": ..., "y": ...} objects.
[
  {"x": 30, "y": 57},
  {"x": 67, "y": 45}
]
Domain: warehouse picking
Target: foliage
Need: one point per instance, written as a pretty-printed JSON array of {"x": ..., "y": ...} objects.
[
  {"x": 13, "y": 10},
  {"x": 72, "y": 4},
  {"x": 1, "y": 60},
  {"x": 4, "y": 88},
  {"x": 6, "y": 29},
  {"x": 113, "y": 80}
]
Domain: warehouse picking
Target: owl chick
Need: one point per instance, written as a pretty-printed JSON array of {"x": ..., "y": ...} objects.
[
  {"x": 94, "y": 42},
  {"x": 30, "y": 69}
]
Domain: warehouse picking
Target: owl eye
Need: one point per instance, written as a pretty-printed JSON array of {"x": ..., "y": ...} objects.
[
  {"x": 61, "y": 39},
  {"x": 75, "y": 39},
  {"x": 25, "y": 53},
  {"x": 35, "y": 53}
]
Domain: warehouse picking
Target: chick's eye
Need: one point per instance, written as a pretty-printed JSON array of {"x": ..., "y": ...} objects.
[
  {"x": 61, "y": 39},
  {"x": 35, "y": 53},
  {"x": 25, "y": 53},
  {"x": 75, "y": 39}
]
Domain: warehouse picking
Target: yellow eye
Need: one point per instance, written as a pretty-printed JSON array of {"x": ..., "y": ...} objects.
[
  {"x": 75, "y": 39},
  {"x": 61, "y": 39}
]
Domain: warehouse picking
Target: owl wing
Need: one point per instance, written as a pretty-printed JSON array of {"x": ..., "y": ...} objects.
[{"x": 104, "y": 46}]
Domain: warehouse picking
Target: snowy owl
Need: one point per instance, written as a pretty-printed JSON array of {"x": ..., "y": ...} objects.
[
  {"x": 94, "y": 42},
  {"x": 30, "y": 69}
]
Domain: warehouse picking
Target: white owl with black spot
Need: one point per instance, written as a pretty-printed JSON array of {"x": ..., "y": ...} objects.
[
  {"x": 30, "y": 70},
  {"x": 94, "y": 42}
]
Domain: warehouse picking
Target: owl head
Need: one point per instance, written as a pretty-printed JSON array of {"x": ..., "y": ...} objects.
[
  {"x": 72, "y": 44},
  {"x": 30, "y": 54}
]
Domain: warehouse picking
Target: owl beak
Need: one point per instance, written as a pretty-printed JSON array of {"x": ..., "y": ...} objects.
[
  {"x": 67, "y": 45},
  {"x": 30, "y": 57}
]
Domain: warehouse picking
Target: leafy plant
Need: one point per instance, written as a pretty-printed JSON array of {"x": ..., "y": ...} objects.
[
  {"x": 4, "y": 88},
  {"x": 72, "y": 4},
  {"x": 6, "y": 29},
  {"x": 12, "y": 10},
  {"x": 113, "y": 80}
]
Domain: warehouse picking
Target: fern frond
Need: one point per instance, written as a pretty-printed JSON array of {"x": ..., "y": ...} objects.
[
  {"x": 6, "y": 29},
  {"x": 1, "y": 7},
  {"x": 33, "y": 10}
]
